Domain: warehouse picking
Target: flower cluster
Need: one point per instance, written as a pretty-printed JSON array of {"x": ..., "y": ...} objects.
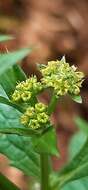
[
  {"x": 35, "y": 117},
  {"x": 25, "y": 89},
  {"x": 62, "y": 77}
]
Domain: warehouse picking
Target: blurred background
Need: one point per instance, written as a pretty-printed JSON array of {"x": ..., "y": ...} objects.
[{"x": 55, "y": 28}]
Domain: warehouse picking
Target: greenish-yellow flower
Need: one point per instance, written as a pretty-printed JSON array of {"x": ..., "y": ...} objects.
[
  {"x": 40, "y": 107},
  {"x": 25, "y": 96},
  {"x": 26, "y": 89},
  {"x": 35, "y": 117},
  {"x": 62, "y": 77},
  {"x": 42, "y": 118}
]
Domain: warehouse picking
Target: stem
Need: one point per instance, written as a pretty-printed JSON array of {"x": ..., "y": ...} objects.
[
  {"x": 52, "y": 104},
  {"x": 44, "y": 172}
]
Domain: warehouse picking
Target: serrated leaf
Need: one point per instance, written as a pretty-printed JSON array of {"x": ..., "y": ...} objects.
[
  {"x": 6, "y": 184},
  {"x": 47, "y": 143},
  {"x": 7, "y": 60},
  {"x": 5, "y": 38},
  {"x": 77, "y": 99},
  {"x": 20, "y": 153},
  {"x": 18, "y": 149}
]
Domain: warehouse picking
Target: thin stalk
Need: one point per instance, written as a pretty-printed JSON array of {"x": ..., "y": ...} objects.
[
  {"x": 44, "y": 172},
  {"x": 52, "y": 104}
]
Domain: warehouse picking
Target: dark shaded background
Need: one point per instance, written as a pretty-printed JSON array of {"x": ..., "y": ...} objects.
[{"x": 55, "y": 28}]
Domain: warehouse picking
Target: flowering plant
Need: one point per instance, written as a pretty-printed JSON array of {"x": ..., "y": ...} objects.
[{"x": 29, "y": 138}]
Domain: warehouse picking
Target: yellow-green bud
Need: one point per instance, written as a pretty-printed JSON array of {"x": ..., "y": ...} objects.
[
  {"x": 40, "y": 107},
  {"x": 26, "y": 96},
  {"x": 34, "y": 124},
  {"x": 42, "y": 118},
  {"x": 16, "y": 96},
  {"x": 24, "y": 119}
]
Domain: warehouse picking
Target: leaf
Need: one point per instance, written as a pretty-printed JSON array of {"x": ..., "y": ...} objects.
[
  {"x": 18, "y": 149},
  {"x": 81, "y": 184},
  {"x": 7, "y": 60},
  {"x": 77, "y": 99},
  {"x": 76, "y": 143},
  {"x": 3, "y": 93},
  {"x": 20, "y": 152},
  {"x": 82, "y": 124},
  {"x": 47, "y": 143},
  {"x": 76, "y": 169},
  {"x": 10, "y": 78},
  {"x": 5, "y": 38},
  {"x": 8, "y": 102},
  {"x": 79, "y": 139},
  {"x": 6, "y": 184}
]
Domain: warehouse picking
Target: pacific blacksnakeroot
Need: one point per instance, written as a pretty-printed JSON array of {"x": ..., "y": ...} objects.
[
  {"x": 34, "y": 137},
  {"x": 60, "y": 77}
]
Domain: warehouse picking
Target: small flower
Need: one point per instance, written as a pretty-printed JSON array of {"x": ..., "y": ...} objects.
[
  {"x": 34, "y": 124},
  {"x": 40, "y": 107},
  {"x": 25, "y": 96},
  {"x": 24, "y": 119},
  {"x": 30, "y": 112},
  {"x": 42, "y": 118},
  {"x": 16, "y": 96}
]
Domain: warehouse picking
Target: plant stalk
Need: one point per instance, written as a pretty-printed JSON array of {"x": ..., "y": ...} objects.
[
  {"x": 44, "y": 172},
  {"x": 52, "y": 104}
]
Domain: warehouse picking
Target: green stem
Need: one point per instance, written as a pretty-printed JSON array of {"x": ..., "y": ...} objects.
[
  {"x": 44, "y": 172},
  {"x": 6, "y": 184},
  {"x": 52, "y": 104}
]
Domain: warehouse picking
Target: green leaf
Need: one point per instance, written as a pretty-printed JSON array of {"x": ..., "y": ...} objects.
[
  {"x": 47, "y": 143},
  {"x": 82, "y": 124},
  {"x": 8, "y": 102},
  {"x": 10, "y": 78},
  {"x": 81, "y": 184},
  {"x": 76, "y": 169},
  {"x": 5, "y": 38},
  {"x": 20, "y": 152},
  {"x": 6, "y": 184},
  {"x": 76, "y": 143},
  {"x": 77, "y": 99},
  {"x": 7, "y": 60},
  {"x": 17, "y": 148}
]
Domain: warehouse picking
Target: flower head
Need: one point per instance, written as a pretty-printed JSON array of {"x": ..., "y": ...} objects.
[
  {"x": 62, "y": 77},
  {"x": 35, "y": 117},
  {"x": 25, "y": 89}
]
